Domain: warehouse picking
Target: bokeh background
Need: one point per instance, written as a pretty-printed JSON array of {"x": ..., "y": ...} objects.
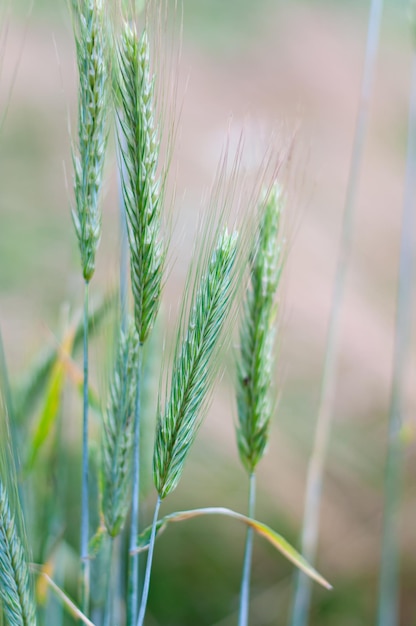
[{"x": 263, "y": 63}]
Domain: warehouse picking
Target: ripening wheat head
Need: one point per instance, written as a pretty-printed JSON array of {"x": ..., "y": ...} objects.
[
  {"x": 194, "y": 363},
  {"x": 88, "y": 155},
  {"x": 142, "y": 189},
  {"x": 117, "y": 440},
  {"x": 15, "y": 591},
  {"x": 257, "y": 333}
]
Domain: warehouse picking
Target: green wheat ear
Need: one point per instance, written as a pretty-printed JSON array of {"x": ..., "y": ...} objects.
[
  {"x": 194, "y": 365},
  {"x": 257, "y": 334},
  {"x": 142, "y": 189},
  {"x": 117, "y": 441},
  {"x": 15, "y": 591},
  {"x": 88, "y": 156}
]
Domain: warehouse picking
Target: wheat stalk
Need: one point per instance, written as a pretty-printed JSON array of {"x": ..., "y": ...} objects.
[
  {"x": 192, "y": 376},
  {"x": 310, "y": 528},
  {"x": 88, "y": 162},
  {"x": 142, "y": 195},
  {"x": 15, "y": 591},
  {"x": 255, "y": 365},
  {"x": 389, "y": 595}
]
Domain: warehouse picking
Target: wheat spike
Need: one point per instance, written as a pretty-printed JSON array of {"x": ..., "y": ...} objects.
[
  {"x": 257, "y": 334},
  {"x": 194, "y": 365},
  {"x": 15, "y": 590},
  {"x": 117, "y": 441},
  {"x": 142, "y": 189},
  {"x": 88, "y": 157}
]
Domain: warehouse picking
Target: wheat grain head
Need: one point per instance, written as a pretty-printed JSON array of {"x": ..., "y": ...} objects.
[
  {"x": 142, "y": 189},
  {"x": 88, "y": 156},
  {"x": 15, "y": 590},
  {"x": 194, "y": 364},
  {"x": 117, "y": 440},
  {"x": 257, "y": 334}
]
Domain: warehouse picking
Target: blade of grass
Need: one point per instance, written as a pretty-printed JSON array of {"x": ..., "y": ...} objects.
[
  {"x": 388, "y": 601},
  {"x": 32, "y": 385},
  {"x": 263, "y": 530},
  {"x": 51, "y": 405},
  {"x": 302, "y": 595},
  {"x": 67, "y": 602}
]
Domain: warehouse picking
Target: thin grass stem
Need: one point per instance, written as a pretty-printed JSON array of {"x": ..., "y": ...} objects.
[
  {"x": 388, "y": 611},
  {"x": 146, "y": 584},
  {"x": 133, "y": 576},
  {"x": 110, "y": 587},
  {"x": 256, "y": 359},
  {"x": 66, "y": 601},
  {"x": 245, "y": 581},
  {"x": 85, "y": 564},
  {"x": 303, "y": 587}
]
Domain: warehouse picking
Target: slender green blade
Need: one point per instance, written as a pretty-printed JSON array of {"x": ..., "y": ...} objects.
[
  {"x": 277, "y": 540},
  {"x": 50, "y": 410}
]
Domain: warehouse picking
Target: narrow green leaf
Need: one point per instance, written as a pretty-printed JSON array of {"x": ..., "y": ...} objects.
[
  {"x": 96, "y": 541},
  {"x": 48, "y": 415},
  {"x": 66, "y": 601},
  {"x": 33, "y": 383},
  {"x": 279, "y": 542}
]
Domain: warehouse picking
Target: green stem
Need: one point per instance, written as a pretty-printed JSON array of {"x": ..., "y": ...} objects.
[
  {"x": 245, "y": 580},
  {"x": 133, "y": 576},
  {"x": 300, "y": 614},
  {"x": 85, "y": 564},
  {"x": 146, "y": 585},
  {"x": 110, "y": 587},
  {"x": 389, "y": 575}
]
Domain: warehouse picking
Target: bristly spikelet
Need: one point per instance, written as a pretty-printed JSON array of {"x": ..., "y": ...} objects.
[
  {"x": 15, "y": 592},
  {"x": 257, "y": 333},
  {"x": 194, "y": 365},
  {"x": 117, "y": 441},
  {"x": 142, "y": 190},
  {"x": 88, "y": 156}
]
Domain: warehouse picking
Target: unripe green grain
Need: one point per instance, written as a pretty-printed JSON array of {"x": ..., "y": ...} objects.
[
  {"x": 88, "y": 156},
  {"x": 194, "y": 365},
  {"x": 117, "y": 441},
  {"x": 255, "y": 365},
  {"x": 142, "y": 189},
  {"x": 15, "y": 592}
]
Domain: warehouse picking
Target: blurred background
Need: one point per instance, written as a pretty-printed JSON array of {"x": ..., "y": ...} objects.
[{"x": 264, "y": 64}]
